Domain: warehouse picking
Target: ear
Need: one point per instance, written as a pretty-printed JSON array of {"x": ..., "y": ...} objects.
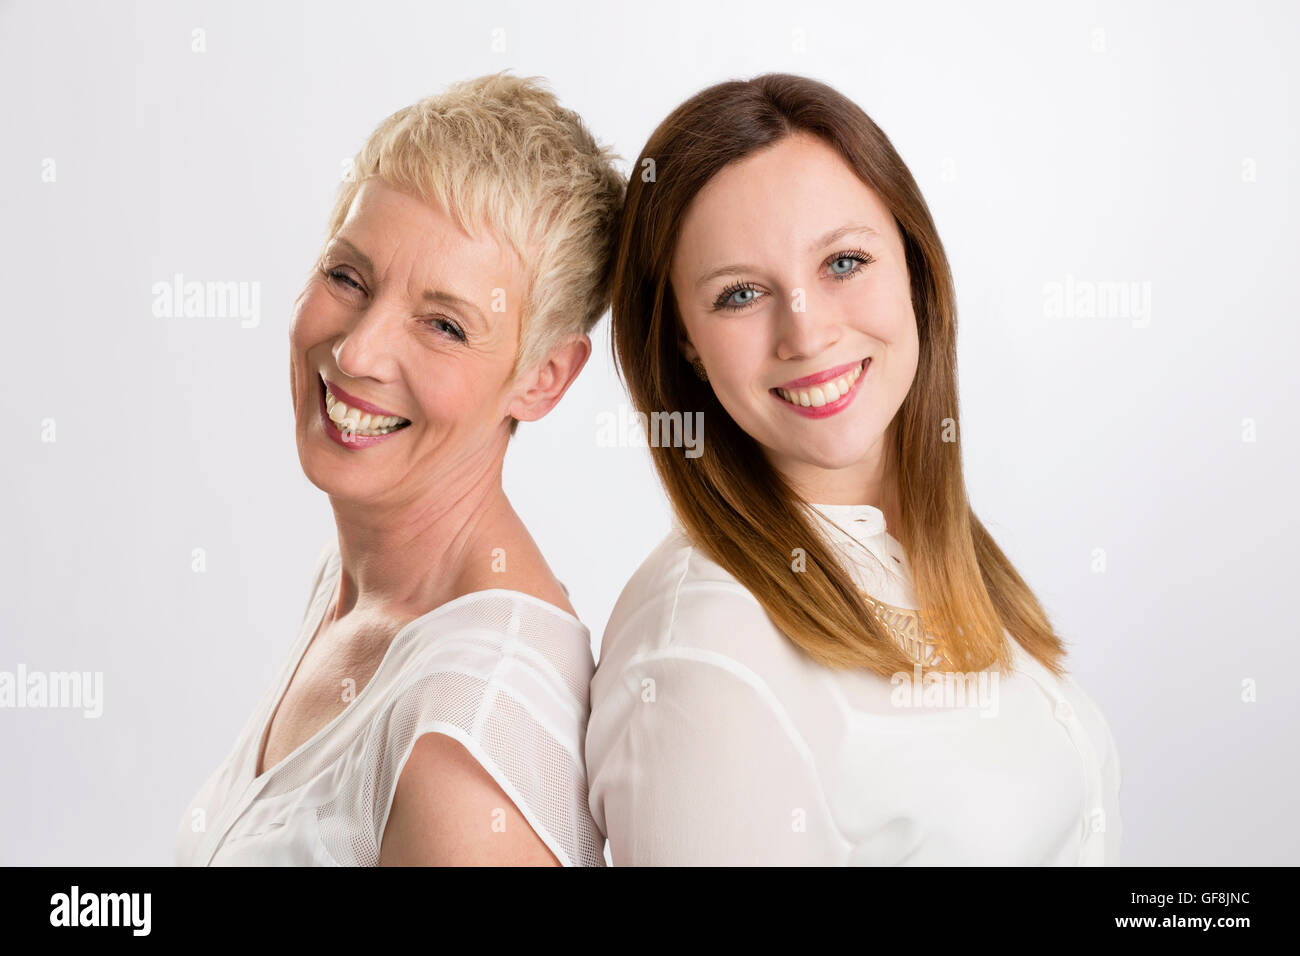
[
  {"x": 686, "y": 348},
  {"x": 541, "y": 387}
]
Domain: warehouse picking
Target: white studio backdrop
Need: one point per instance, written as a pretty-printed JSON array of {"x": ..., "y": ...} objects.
[{"x": 1114, "y": 185}]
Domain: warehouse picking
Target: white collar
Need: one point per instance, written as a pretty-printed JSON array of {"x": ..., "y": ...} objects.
[
  {"x": 864, "y": 524},
  {"x": 861, "y": 522}
]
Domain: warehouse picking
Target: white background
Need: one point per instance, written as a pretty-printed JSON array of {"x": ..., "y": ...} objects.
[{"x": 1110, "y": 142}]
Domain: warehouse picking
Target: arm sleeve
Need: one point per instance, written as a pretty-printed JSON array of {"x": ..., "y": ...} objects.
[
  {"x": 1112, "y": 777},
  {"x": 706, "y": 769},
  {"x": 1107, "y": 825},
  {"x": 509, "y": 683}
]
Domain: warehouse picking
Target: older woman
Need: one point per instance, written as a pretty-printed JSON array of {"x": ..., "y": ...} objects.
[
  {"x": 433, "y": 707},
  {"x": 829, "y": 660}
]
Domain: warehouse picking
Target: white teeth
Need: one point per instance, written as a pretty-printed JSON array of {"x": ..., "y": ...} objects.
[
  {"x": 821, "y": 394},
  {"x": 358, "y": 422}
]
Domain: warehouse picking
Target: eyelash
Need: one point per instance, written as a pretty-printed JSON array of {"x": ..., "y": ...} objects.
[
  {"x": 447, "y": 326},
  {"x": 720, "y": 303}
]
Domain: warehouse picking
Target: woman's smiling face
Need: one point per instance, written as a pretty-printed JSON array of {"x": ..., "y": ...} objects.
[
  {"x": 791, "y": 282},
  {"x": 408, "y": 315}
]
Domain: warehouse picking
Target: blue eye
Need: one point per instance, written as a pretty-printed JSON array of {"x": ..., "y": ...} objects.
[
  {"x": 852, "y": 262},
  {"x": 727, "y": 299}
]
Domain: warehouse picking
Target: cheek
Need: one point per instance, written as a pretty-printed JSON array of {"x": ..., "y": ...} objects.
[
  {"x": 314, "y": 316},
  {"x": 457, "y": 389},
  {"x": 736, "y": 375},
  {"x": 885, "y": 313},
  {"x": 732, "y": 350}
]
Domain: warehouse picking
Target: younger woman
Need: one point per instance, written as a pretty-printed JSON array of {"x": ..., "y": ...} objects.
[{"x": 768, "y": 691}]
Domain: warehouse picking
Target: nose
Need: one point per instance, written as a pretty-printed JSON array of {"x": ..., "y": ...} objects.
[
  {"x": 805, "y": 328},
  {"x": 369, "y": 346}
]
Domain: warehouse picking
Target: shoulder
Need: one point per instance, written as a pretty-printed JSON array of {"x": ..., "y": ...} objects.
[
  {"x": 681, "y": 605},
  {"x": 512, "y": 561},
  {"x": 491, "y": 699},
  {"x": 499, "y": 641},
  {"x": 532, "y": 579},
  {"x": 675, "y": 578}
]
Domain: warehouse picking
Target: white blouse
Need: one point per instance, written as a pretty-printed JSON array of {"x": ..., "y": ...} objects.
[
  {"x": 713, "y": 739},
  {"x": 504, "y": 673}
]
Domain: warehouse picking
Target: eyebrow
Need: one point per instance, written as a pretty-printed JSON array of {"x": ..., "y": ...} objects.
[
  {"x": 434, "y": 295},
  {"x": 826, "y": 240}
]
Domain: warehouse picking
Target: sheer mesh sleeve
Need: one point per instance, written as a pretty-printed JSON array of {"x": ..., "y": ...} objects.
[{"x": 507, "y": 677}]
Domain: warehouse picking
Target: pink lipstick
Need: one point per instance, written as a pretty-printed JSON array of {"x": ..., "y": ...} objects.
[{"x": 843, "y": 381}]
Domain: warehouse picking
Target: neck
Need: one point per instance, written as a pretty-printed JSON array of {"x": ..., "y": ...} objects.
[{"x": 406, "y": 559}]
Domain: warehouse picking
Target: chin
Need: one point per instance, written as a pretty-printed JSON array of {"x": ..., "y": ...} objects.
[
  {"x": 823, "y": 444},
  {"x": 329, "y": 476},
  {"x": 314, "y": 473},
  {"x": 830, "y": 458},
  {"x": 336, "y": 484}
]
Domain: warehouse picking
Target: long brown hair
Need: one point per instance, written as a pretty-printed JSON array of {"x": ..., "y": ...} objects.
[{"x": 732, "y": 502}]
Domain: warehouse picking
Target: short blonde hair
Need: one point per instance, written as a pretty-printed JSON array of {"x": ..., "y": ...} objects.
[{"x": 500, "y": 151}]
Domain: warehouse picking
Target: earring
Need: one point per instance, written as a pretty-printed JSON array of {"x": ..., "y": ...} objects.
[{"x": 699, "y": 370}]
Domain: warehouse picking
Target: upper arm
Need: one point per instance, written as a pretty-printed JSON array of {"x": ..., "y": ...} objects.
[
  {"x": 705, "y": 768},
  {"x": 448, "y": 811}
]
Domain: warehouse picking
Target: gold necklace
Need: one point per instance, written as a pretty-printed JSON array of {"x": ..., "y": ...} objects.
[
  {"x": 908, "y": 631},
  {"x": 904, "y": 625}
]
